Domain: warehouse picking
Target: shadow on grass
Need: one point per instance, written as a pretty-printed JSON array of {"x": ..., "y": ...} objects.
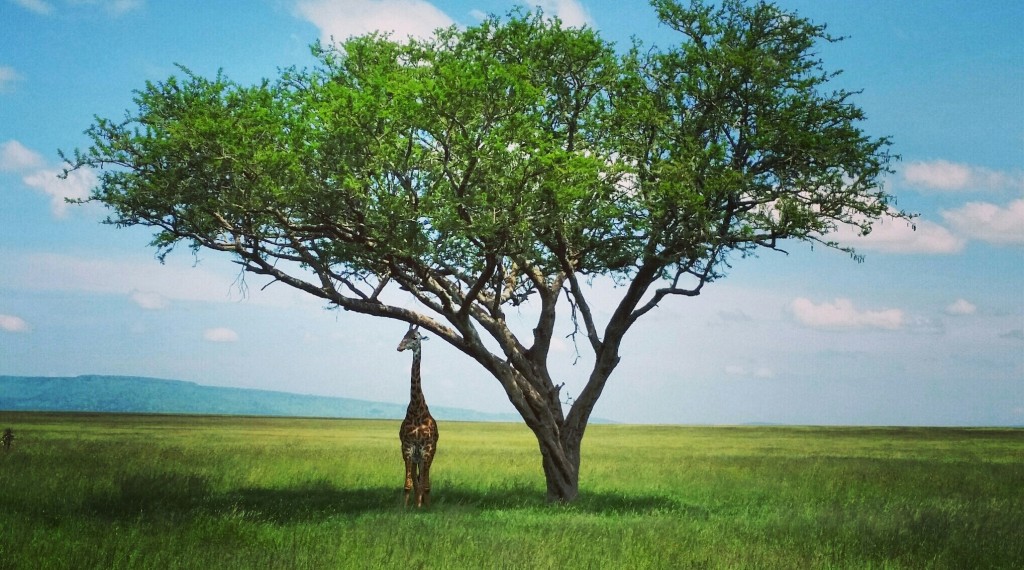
[
  {"x": 526, "y": 497},
  {"x": 309, "y": 501},
  {"x": 140, "y": 494},
  {"x": 170, "y": 495},
  {"x": 174, "y": 495}
]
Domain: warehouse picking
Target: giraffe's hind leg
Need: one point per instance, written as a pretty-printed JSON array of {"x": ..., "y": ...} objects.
[{"x": 419, "y": 488}]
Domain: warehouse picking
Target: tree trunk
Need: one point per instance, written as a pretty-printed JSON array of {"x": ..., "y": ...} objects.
[
  {"x": 531, "y": 390},
  {"x": 559, "y": 443},
  {"x": 560, "y": 437},
  {"x": 560, "y": 457}
]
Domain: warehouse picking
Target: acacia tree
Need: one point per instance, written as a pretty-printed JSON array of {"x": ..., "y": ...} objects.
[{"x": 506, "y": 163}]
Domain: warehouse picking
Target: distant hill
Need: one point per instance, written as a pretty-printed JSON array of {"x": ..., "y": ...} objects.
[{"x": 131, "y": 394}]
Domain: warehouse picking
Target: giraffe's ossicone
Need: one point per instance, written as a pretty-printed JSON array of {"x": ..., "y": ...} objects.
[{"x": 418, "y": 432}]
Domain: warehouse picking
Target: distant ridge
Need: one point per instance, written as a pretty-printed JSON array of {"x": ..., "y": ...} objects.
[{"x": 133, "y": 394}]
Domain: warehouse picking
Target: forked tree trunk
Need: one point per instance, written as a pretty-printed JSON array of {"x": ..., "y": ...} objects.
[
  {"x": 560, "y": 437},
  {"x": 559, "y": 444},
  {"x": 561, "y": 462},
  {"x": 562, "y": 469},
  {"x": 524, "y": 376}
]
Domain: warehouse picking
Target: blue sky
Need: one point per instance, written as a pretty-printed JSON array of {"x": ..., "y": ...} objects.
[{"x": 929, "y": 330}]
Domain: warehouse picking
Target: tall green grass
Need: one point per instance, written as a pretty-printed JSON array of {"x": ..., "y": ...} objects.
[{"x": 103, "y": 491}]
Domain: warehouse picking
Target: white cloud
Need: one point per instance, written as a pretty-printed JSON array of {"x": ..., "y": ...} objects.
[
  {"x": 11, "y": 323},
  {"x": 941, "y": 175},
  {"x": 989, "y": 222},
  {"x": 841, "y": 314},
  {"x": 961, "y": 307},
  {"x": 149, "y": 300},
  {"x": 220, "y": 334},
  {"x": 8, "y": 77},
  {"x": 952, "y": 176},
  {"x": 571, "y": 12},
  {"x": 899, "y": 236},
  {"x": 16, "y": 157},
  {"x": 76, "y": 186},
  {"x": 37, "y": 6},
  {"x": 404, "y": 18}
]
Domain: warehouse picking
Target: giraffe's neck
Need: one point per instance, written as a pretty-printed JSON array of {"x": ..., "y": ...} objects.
[{"x": 416, "y": 400}]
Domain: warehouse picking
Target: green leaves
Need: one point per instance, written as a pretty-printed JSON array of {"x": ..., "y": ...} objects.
[
  {"x": 738, "y": 121},
  {"x": 515, "y": 143}
]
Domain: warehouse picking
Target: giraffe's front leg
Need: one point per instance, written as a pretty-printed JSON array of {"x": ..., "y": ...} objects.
[
  {"x": 428, "y": 458},
  {"x": 408, "y": 477}
]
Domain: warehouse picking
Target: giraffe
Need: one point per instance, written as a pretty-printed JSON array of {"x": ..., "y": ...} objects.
[{"x": 418, "y": 433}]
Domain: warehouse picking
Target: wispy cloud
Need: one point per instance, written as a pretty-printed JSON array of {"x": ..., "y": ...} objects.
[
  {"x": 961, "y": 307},
  {"x": 1001, "y": 225},
  {"x": 404, "y": 18},
  {"x": 16, "y": 157},
  {"x": 841, "y": 314},
  {"x": 984, "y": 221},
  {"x": 220, "y": 334},
  {"x": 944, "y": 175},
  {"x": 37, "y": 6},
  {"x": 899, "y": 236},
  {"x": 149, "y": 300},
  {"x": 8, "y": 77},
  {"x": 10, "y": 323},
  {"x": 76, "y": 186}
]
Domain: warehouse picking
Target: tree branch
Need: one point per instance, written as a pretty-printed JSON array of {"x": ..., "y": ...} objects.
[
  {"x": 582, "y": 306},
  {"x": 478, "y": 286}
]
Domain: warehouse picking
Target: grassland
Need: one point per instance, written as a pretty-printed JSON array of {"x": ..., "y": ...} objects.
[{"x": 105, "y": 491}]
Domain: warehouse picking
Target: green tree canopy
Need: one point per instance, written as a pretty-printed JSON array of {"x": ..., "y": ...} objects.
[{"x": 505, "y": 163}]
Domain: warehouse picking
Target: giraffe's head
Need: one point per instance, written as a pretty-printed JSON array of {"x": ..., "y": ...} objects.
[{"x": 411, "y": 340}]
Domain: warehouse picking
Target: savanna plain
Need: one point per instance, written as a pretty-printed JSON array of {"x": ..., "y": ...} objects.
[{"x": 130, "y": 491}]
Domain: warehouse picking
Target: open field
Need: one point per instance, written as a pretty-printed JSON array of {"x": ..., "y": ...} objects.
[{"x": 106, "y": 491}]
